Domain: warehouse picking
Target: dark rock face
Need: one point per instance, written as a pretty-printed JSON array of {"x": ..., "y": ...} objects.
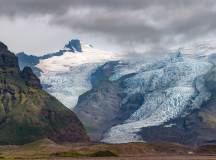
[
  {"x": 101, "y": 108},
  {"x": 27, "y": 113},
  {"x": 98, "y": 109},
  {"x": 3, "y": 47},
  {"x": 178, "y": 132},
  {"x": 30, "y": 79},
  {"x": 59, "y": 53},
  {"x": 8, "y": 61},
  {"x": 74, "y": 44},
  {"x": 29, "y": 61}
]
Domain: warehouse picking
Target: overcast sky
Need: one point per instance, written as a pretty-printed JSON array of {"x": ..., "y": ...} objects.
[{"x": 127, "y": 26}]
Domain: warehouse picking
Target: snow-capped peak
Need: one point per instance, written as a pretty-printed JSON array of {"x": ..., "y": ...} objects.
[
  {"x": 74, "y": 45},
  {"x": 68, "y": 74},
  {"x": 67, "y": 60}
]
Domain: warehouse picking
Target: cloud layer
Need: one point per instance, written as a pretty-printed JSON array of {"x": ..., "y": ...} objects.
[{"x": 140, "y": 25}]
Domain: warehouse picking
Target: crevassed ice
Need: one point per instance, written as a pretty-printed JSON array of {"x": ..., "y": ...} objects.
[
  {"x": 168, "y": 90},
  {"x": 159, "y": 108},
  {"x": 174, "y": 74},
  {"x": 142, "y": 65},
  {"x": 68, "y": 75},
  {"x": 68, "y": 86}
]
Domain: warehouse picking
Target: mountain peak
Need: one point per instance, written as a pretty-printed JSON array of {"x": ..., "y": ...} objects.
[
  {"x": 74, "y": 45},
  {"x": 27, "y": 113},
  {"x": 3, "y": 47},
  {"x": 8, "y": 61}
]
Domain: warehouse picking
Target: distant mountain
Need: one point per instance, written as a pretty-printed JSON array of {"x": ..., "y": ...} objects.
[
  {"x": 27, "y": 113},
  {"x": 119, "y": 101},
  {"x": 31, "y": 60},
  {"x": 66, "y": 74},
  {"x": 74, "y": 45},
  {"x": 27, "y": 60},
  {"x": 172, "y": 99}
]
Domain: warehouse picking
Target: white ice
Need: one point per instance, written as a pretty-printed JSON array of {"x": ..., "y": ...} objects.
[
  {"x": 69, "y": 75},
  {"x": 168, "y": 88}
]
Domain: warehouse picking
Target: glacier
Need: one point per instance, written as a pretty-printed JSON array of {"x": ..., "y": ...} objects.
[
  {"x": 68, "y": 86},
  {"x": 171, "y": 87},
  {"x": 68, "y": 75}
]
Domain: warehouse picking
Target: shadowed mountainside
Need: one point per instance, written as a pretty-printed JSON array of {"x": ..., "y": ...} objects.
[{"x": 27, "y": 113}]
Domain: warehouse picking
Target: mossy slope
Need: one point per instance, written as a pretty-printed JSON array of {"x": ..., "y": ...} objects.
[{"x": 27, "y": 113}]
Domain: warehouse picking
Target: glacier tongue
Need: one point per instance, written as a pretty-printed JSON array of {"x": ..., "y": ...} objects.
[
  {"x": 68, "y": 86},
  {"x": 170, "y": 87}
]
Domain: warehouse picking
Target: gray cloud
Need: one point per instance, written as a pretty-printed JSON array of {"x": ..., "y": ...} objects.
[{"x": 136, "y": 23}]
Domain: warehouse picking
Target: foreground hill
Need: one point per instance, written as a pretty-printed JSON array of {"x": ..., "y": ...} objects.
[{"x": 28, "y": 113}]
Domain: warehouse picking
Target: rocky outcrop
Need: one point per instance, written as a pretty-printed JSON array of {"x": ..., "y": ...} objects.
[
  {"x": 26, "y": 60},
  {"x": 30, "y": 78},
  {"x": 101, "y": 108},
  {"x": 8, "y": 61},
  {"x": 74, "y": 45},
  {"x": 27, "y": 113},
  {"x": 98, "y": 109},
  {"x": 3, "y": 47}
]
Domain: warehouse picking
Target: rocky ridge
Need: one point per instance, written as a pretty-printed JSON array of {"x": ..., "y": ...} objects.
[{"x": 27, "y": 113}]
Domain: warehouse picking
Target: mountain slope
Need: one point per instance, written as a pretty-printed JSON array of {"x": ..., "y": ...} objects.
[
  {"x": 167, "y": 100},
  {"x": 28, "y": 113}
]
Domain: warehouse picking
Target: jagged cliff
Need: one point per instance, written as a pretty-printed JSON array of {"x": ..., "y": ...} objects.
[{"x": 28, "y": 113}]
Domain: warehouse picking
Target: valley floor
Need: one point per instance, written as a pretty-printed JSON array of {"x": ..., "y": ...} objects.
[
  {"x": 146, "y": 158},
  {"x": 48, "y": 150}
]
